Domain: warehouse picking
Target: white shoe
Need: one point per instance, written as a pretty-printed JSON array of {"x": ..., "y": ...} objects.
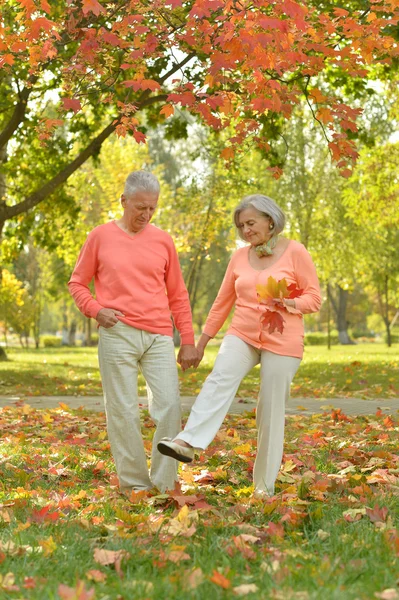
[{"x": 170, "y": 448}]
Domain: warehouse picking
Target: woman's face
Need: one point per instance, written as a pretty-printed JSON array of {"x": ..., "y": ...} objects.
[{"x": 254, "y": 227}]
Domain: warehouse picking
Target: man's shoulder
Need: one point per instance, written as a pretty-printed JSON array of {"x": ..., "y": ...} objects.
[
  {"x": 101, "y": 229},
  {"x": 160, "y": 234}
]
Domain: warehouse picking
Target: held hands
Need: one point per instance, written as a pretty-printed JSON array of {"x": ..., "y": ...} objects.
[
  {"x": 187, "y": 356},
  {"x": 108, "y": 317},
  {"x": 190, "y": 356}
]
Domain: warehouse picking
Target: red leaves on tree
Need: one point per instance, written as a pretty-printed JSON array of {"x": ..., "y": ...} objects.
[
  {"x": 92, "y": 6},
  {"x": 233, "y": 74},
  {"x": 71, "y": 104}
]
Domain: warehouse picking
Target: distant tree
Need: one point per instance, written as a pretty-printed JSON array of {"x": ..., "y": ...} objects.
[{"x": 372, "y": 201}]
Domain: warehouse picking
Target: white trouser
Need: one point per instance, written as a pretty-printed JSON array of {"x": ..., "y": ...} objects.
[
  {"x": 235, "y": 359},
  {"x": 122, "y": 350}
]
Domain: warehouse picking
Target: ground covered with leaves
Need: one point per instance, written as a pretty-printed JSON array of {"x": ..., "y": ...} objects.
[{"x": 331, "y": 531}]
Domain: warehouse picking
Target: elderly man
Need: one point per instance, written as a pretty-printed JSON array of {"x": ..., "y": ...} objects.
[{"x": 138, "y": 284}]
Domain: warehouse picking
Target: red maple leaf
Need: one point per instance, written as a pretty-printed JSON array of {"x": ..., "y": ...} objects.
[
  {"x": 294, "y": 292},
  {"x": 273, "y": 320}
]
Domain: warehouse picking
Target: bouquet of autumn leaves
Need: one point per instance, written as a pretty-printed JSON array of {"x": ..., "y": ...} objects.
[{"x": 273, "y": 296}]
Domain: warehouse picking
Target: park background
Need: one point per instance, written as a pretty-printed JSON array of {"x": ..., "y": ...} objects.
[{"x": 296, "y": 100}]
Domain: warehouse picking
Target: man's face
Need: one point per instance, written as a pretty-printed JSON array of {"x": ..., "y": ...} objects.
[{"x": 138, "y": 209}]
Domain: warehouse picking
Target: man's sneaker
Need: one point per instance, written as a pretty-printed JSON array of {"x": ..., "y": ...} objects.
[{"x": 170, "y": 448}]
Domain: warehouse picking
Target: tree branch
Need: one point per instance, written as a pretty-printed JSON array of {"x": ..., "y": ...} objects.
[
  {"x": 8, "y": 212},
  {"x": 18, "y": 115}
]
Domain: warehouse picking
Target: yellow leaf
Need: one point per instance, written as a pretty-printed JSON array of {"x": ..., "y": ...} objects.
[
  {"x": 48, "y": 545},
  {"x": 273, "y": 289},
  {"x": 243, "y": 449}
]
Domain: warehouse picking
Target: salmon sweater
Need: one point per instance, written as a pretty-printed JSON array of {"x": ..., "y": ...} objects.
[
  {"x": 239, "y": 288},
  {"x": 139, "y": 276}
]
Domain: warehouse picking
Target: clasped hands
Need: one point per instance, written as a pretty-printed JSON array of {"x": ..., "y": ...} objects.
[{"x": 189, "y": 356}]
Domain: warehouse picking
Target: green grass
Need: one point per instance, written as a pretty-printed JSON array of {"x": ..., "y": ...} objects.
[
  {"x": 364, "y": 370},
  {"x": 330, "y": 533}
]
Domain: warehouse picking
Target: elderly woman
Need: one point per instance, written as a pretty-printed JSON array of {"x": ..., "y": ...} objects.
[{"x": 272, "y": 283}]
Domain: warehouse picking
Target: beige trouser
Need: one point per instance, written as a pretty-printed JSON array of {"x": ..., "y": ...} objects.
[
  {"x": 235, "y": 359},
  {"x": 122, "y": 350}
]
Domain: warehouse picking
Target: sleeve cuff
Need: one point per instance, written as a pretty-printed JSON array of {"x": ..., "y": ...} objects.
[
  {"x": 187, "y": 338},
  {"x": 209, "y": 331},
  {"x": 94, "y": 310}
]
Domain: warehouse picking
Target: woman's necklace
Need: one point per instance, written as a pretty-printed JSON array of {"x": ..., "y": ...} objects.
[{"x": 267, "y": 248}]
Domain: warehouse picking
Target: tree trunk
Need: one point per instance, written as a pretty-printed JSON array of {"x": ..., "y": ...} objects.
[
  {"x": 65, "y": 332},
  {"x": 339, "y": 307},
  {"x": 3, "y": 158},
  {"x": 328, "y": 321},
  {"x": 72, "y": 334},
  {"x": 88, "y": 332},
  {"x": 383, "y": 301}
]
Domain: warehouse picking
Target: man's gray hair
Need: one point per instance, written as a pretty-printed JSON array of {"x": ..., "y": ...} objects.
[
  {"x": 143, "y": 181},
  {"x": 266, "y": 206}
]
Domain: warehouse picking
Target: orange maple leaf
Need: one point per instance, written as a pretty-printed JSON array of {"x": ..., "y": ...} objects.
[
  {"x": 220, "y": 580},
  {"x": 167, "y": 110}
]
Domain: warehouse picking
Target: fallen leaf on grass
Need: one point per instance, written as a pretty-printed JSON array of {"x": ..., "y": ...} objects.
[
  {"x": 176, "y": 556},
  {"x": 354, "y": 514},
  {"x": 111, "y": 557},
  {"x": 7, "y": 583},
  {"x": 377, "y": 514},
  {"x": 29, "y": 583},
  {"x": 77, "y": 593},
  {"x": 194, "y": 579},
  {"x": 220, "y": 580},
  {"x": 388, "y": 594},
  {"x": 13, "y": 549},
  {"x": 245, "y": 588},
  {"x": 183, "y": 523},
  {"x": 48, "y": 545},
  {"x": 323, "y": 535},
  {"x": 96, "y": 575}
]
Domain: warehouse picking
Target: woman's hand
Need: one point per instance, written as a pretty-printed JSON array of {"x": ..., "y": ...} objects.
[
  {"x": 284, "y": 302},
  {"x": 200, "y": 355}
]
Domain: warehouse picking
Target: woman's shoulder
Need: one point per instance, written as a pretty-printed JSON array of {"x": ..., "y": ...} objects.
[
  {"x": 295, "y": 246},
  {"x": 239, "y": 254}
]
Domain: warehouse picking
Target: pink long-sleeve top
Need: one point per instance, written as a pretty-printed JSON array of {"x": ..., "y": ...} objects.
[
  {"x": 239, "y": 288},
  {"x": 139, "y": 276}
]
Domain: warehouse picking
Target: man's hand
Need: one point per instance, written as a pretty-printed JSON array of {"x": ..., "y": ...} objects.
[
  {"x": 187, "y": 356},
  {"x": 108, "y": 317}
]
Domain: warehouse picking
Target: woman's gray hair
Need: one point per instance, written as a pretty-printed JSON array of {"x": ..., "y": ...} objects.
[
  {"x": 266, "y": 206},
  {"x": 141, "y": 180}
]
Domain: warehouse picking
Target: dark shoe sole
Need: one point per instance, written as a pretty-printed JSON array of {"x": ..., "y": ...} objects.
[{"x": 166, "y": 451}]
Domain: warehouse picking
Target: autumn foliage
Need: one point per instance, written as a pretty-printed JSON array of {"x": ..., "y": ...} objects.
[{"x": 241, "y": 64}]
